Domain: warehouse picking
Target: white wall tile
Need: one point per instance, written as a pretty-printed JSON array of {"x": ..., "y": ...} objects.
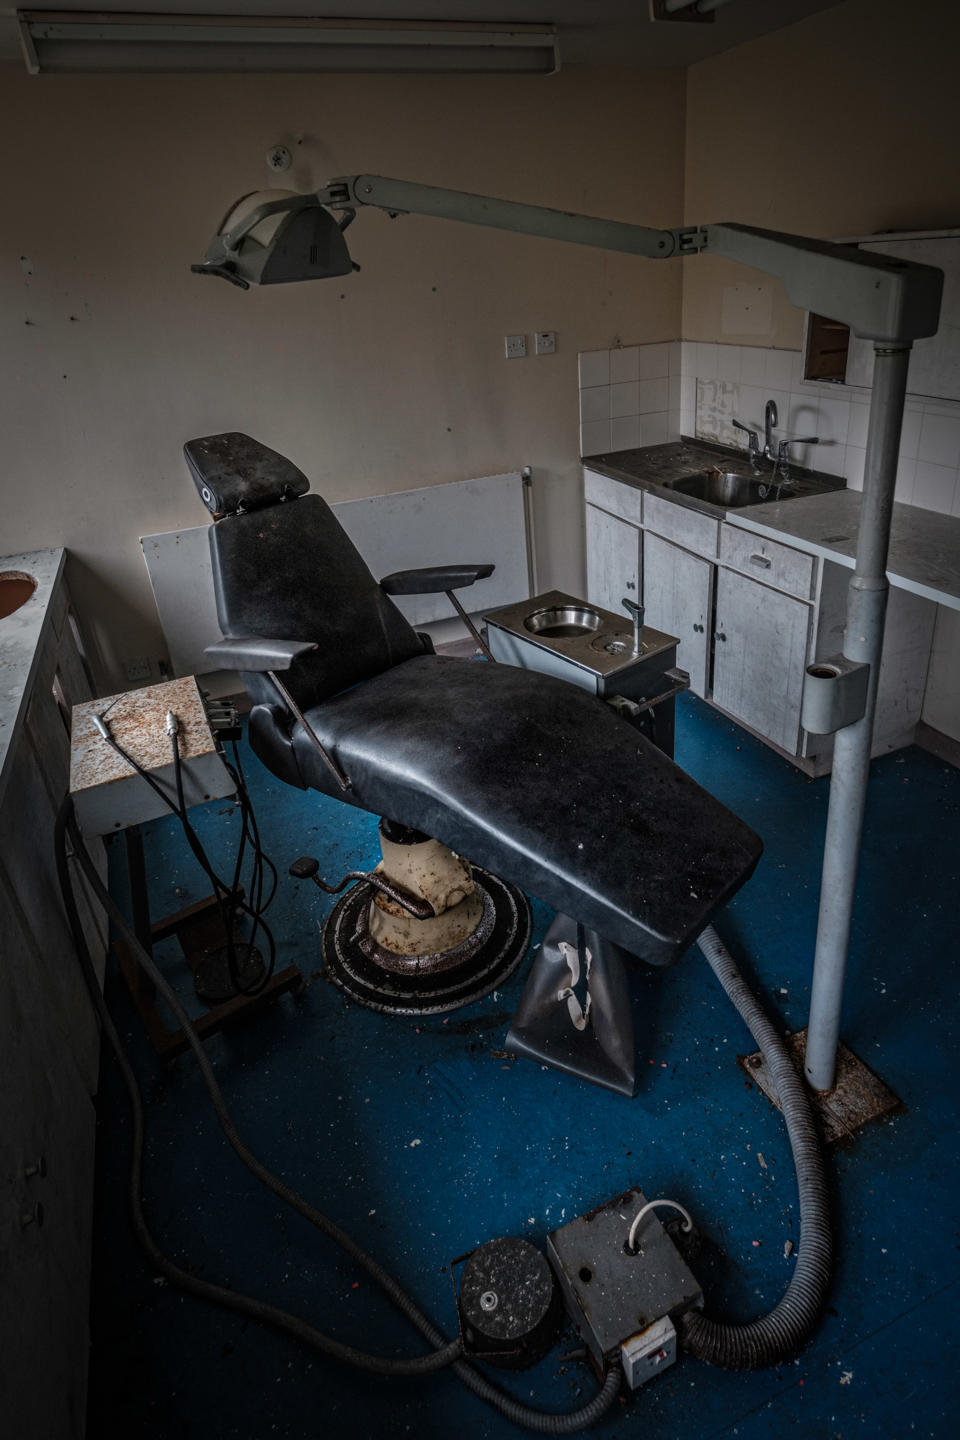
[
  {"x": 939, "y": 441},
  {"x": 688, "y": 421},
  {"x": 705, "y": 361},
  {"x": 688, "y": 392},
  {"x": 676, "y": 392},
  {"x": 688, "y": 358},
  {"x": 778, "y": 369},
  {"x": 831, "y": 459},
  {"x": 654, "y": 395},
  {"x": 804, "y": 412},
  {"x": 935, "y": 487},
  {"x": 853, "y": 471},
  {"x": 594, "y": 367},
  {"x": 675, "y": 425},
  {"x": 751, "y": 364},
  {"x": 654, "y": 362},
  {"x": 655, "y": 429},
  {"x": 857, "y": 431},
  {"x": 796, "y": 368},
  {"x": 625, "y": 432},
  {"x": 595, "y": 437},
  {"x": 752, "y": 400},
  {"x": 906, "y": 474},
  {"x": 728, "y": 362},
  {"x": 624, "y": 399},
  {"x": 956, "y": 503},
  {"x": 910, "y": 433},
  {"x": 675, "y": 358},
  {"x": 833, "y": 421},
  {"x": 624, "y": 364},
  {"x": 595, "y": 404}
]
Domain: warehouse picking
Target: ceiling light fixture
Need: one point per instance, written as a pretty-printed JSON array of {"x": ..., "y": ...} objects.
[{"x": 78, "y": 41}]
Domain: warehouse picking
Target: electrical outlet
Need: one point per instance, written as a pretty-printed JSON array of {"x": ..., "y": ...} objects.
[
  {"x": 515, "y": 346},
  {"x": 545, "y": 342},
  {"x": 137, "y": 670}
]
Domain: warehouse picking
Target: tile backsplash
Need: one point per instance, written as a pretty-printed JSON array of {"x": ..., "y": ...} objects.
[{"x": 647, "y": 394}]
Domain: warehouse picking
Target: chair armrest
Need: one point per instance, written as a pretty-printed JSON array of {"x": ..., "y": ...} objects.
[
  {"x": 253, "y": 652},
  {"x": 433, "y": 578}
]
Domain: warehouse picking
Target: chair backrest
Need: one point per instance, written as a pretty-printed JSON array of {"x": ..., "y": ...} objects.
[{"x": 288, "y": 570}]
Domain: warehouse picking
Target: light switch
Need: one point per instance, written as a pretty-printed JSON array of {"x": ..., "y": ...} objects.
[{"x": 545, "y": 342}]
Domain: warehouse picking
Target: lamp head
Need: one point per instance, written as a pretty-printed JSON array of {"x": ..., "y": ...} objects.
[{"x": 273, "y": 237}]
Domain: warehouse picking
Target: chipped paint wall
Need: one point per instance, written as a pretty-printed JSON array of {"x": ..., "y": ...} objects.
[{"x": 114, "y": 354}]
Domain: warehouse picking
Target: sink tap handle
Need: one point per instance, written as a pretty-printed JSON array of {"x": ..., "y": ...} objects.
[
  {"x": 783, "y": 452},
  {"x": 753, "y": 436},
  {"x": 635, "y": 612}
]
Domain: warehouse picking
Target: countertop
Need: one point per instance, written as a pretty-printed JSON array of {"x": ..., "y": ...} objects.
[
  {"x": 924, "y": 546},
  {"x": 20, "y": 642}
]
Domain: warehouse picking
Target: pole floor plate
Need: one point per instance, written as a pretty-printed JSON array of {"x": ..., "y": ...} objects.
[{"x": 858, "y": 1097}]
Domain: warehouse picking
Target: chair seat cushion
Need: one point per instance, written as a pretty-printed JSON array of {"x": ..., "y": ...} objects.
[{"x": 541, "y": 783}]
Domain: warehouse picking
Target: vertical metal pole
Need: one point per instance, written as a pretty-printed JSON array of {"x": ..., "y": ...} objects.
[{"x": 866, "y": 610}]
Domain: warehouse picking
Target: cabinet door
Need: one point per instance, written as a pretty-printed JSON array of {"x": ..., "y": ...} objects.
[
  {"x": 676, "y": 595},
  {"x": 613, "y": 561},
  {"x": 760, "y": 652}
]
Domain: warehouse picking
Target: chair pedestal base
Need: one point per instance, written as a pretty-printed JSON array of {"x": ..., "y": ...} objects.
[
  {"x": 427, "y": 984},
  {"x": 575, "y": 1011}
]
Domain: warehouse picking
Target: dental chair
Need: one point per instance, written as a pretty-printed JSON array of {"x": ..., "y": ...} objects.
[{"x": 532, "y": 779}]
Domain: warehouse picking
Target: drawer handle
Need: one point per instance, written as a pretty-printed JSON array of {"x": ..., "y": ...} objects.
[
  {"x": 760, "y": 560},
  {"x": 698, "y": 629},
  {"x": 719, "y": 635}
]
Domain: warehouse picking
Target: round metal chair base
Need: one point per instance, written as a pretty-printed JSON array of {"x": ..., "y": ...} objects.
[{"x": 427, "y": 984}]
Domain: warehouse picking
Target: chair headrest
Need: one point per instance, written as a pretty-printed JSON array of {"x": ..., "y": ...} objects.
[{"x": 233, "y": 472}]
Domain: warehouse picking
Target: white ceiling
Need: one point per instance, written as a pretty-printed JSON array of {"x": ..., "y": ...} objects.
[{"x": 592, "y": 32}]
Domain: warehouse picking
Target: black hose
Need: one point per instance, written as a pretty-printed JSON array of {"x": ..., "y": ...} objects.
[
  {"x": 445, "y": 1353},
  {"x": 780, "y": 1334},
  {"x": 203, "y": 1289}
]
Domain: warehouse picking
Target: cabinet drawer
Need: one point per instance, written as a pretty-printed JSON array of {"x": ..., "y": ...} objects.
[
  {"x": 613, "y": 496},
  {"x": 688, "y": 528},
  {"x": 778, "y": 565}
]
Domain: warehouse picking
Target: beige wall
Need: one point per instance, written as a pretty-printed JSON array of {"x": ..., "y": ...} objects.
[
  {"x": 389, "y": 379},
  {"x": 844, "y": 124}
]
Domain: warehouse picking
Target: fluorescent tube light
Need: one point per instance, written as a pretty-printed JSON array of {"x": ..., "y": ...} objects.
[{"x": 78, "y": 41}]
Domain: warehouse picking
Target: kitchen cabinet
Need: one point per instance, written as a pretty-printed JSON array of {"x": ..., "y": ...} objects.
[
  {"x": 677, "y": 593},
  {"x": 49, "y": 1039},
  {"x": 761, "y": 643},
  {"x": 750, "y": 614},
  {"x": 613, "y": 560}
]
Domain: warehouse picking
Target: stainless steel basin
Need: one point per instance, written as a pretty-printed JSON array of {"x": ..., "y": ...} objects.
[
  {"x": 15, "y": 590},
  {"x": 563, "y": 622},
  {"x": 725, "y": 488}
]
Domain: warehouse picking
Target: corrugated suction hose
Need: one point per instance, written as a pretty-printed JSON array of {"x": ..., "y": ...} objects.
[{"x": 780, "y": 1334}]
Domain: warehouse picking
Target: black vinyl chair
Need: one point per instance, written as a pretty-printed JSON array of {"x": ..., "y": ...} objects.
[{"x": 526, "y": 775}]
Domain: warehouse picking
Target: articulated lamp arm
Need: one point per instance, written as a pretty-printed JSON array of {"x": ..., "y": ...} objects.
[{"x": 274, "y": 238}]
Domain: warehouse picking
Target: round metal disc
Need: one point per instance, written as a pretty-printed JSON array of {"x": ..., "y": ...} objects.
[{"x": 430, "y": 990}]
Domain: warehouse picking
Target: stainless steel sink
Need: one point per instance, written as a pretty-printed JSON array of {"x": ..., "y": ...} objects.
[
  {"x": 726, "y": 488},
  {"x": 563, "y": 622}
]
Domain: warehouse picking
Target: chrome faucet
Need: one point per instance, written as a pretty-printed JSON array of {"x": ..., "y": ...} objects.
[
  {"x": 779, "y": 457},
  {"x": 770, "y": 419}
]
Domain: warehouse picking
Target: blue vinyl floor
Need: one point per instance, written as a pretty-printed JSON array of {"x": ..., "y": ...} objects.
[{"x": 423, "y": 1140}]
